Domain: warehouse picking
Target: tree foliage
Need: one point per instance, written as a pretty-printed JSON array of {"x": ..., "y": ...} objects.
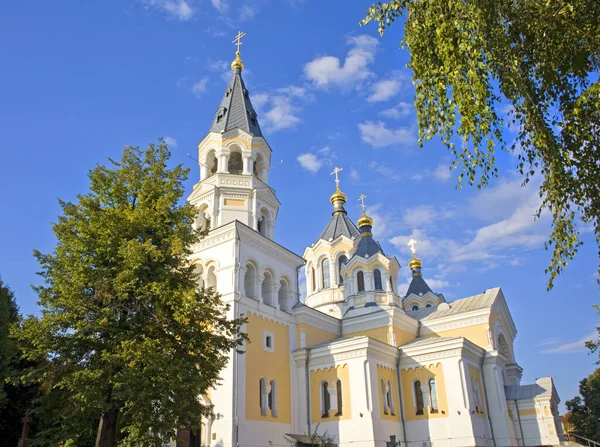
[
  {"x": 583, "y": 416},
  {"x": 9, "y": 315},
  {"x": 123, "y": 324},
  {"x": 470, "y": 57}
]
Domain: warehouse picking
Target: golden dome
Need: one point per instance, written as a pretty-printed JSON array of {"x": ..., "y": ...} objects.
[
  {"x": 415, "y": 262},
  {"x": 338, "y": 196},
  {"x": 237, "y": 63},
  {"x": 364, "y": 220}
]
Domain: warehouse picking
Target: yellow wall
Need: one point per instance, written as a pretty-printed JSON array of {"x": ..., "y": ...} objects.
[
  {"x": 314, "y": 336},
  {"x": 529, "y": 412},
  {"x": 331, "y": 375},
  {"x": 424, "y": 374},
  {"x": 475, "y": 373},
  {"x": 388, "y": 375},
  {"x": 476, "y": 334},
  {"x": 270, "y": 365}
]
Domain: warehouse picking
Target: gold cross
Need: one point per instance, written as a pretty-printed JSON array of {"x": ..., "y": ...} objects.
[
  {"x": 362, "y": 199},
  {"x": 238, "y": 40},
  {"x": 411, "y": 244},
  {"x": 337, "y": 180}
]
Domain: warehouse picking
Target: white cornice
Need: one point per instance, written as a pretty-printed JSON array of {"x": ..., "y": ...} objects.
[
  {"x": 312, "y": 317},
  {"x": 338, "y": 351},
  {"x": 265, "y": 245},
  {"x": 415, "y": 355}
]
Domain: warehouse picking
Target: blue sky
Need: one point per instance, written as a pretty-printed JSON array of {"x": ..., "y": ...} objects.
[{"x": 82, "y": 79}]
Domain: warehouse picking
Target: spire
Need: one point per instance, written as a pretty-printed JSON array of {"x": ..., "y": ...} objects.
[
  {"x": 338, "y": 198},
  {"x": 417, "y": 285},
  {"x": 365, "y": 223},
  {"x": 367, "y": 246},
  {"x": 235, "y": 110}
]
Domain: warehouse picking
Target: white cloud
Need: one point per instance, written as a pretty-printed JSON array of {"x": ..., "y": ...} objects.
[
  {"x": 572, "y": 347},
  {"x": 354, "y": 175},
  {"x": 171, "y": 142},
  {"x": 326, "y": 71},
  {"x": 385, "y": 171},
  {"x": 178, "y": 9},
  {"x": 384, "y": 90},
  {"x": 310, "y": 162},
  {"x": 279, "y": 111},
  {"x": 383, "y": 223},
  {"x": 220, "y": 5},
  {"x": 377, "y": 135},
  {"x": 247, "y": 12},
  {"x": 442, "y": 173},
  {"x": 199, "y": 87},
  {"x": 511, "y": 231},
  {"x": 402, "y": 110}
]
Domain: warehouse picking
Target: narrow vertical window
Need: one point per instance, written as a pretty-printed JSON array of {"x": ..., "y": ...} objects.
[
  {"x": 273, "y": 398},
  {"x": 341, "y": 261},
  {"x": 377, "y": 277},
  {"x": 418, "y": 397},
  {"x": 360, "y": 279},
  {"x": 384, "y": 397},
  {"x": 390, "y": 398},
  {"x": 263, "y": 396},
  {"x": 433, "y": 399},
  {"x": 325, "y": 270},
  {"x": 325, "y": 400},
  {"x": 313, "y": 277},
  {"x": 339, "y": 398}
]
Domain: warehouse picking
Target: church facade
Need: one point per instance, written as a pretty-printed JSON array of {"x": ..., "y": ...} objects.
[{"x": 356, "y": 358}]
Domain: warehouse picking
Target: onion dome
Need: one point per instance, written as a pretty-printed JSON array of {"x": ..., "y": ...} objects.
[
  {"x": 338, "y": 199},
  {"x": 415, "y": 265},
  {"x": 237, "y": 63}
]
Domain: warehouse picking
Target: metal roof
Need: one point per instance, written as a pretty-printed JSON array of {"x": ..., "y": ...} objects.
[
  {"x": 368, "y": 247},
  {"x": 427, "y": 341},
  {"x": 542, "y": 388},
  {"x": 418, "y": 286},
  {"x": 482, "y": 301},
  {"x": 340, "y": 225},
  {"x": 235, "y": 110}
]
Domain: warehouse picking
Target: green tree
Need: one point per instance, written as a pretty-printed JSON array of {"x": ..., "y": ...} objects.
[
  {"x": 583, "y": 414},
  {"x": 126, "y": 333},
  {"x": 471, "y": 57},
  {"x": 9, "y": 314}
]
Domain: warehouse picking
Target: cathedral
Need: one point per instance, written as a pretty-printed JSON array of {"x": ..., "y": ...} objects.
[{"x": 356, "y": 359}]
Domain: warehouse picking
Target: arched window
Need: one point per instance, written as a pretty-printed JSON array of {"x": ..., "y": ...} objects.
[
  {"x": 313, "y": 278},
  {"x": 341, "y": 261},
  {"x": 390, "y": 398},
  {"x": 261, "y": 225},
  {"x": 325, "y": 400},
  {"x": 325, "y": 271},
  {"x": 377, "y": 277},
  {"x": 250, "y": 281},
  {"x": 263, "y": 396},
  {"x": 211, "y": 162},
  {"x": 360, "y": 279},
  {"x": 418, "y": 397},
  {"x": 267, "y": 289},
  {"x": 282, "y": 294},
  {"x": 211, "y": 278},
  {"x": 384, "y": 397},
  {"x": 273, "y": 398},
  {"x": 236, "y": 164},
  {"x": 415, "y": 307},
  {"x": 260, "y": 167},
  {"x": 428, "y": 305},
  {"x": 433, "y": 398},
  {"x": 339, "y": 397},
  {"x": 198, "y": 272}
]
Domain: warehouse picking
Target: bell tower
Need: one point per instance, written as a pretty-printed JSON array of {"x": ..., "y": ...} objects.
[{"x": 234, "y": 160}]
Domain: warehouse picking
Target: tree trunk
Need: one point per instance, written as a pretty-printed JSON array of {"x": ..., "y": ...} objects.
[{"x": 107, "y": 429}]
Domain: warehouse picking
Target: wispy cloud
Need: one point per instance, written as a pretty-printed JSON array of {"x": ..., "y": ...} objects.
[
  {"x": 384, "y": 90},
  {"x": 177, "y": 9},
  {"x": 403, "y": 109},
  {"x": 310, "y": 162},
  {"x": 171, "y": 142},
  {"x": 569, "y": 347},
  {"x": 378, "y": 135},
  {"x": 329, "y": 71},
  {"x": 280, "y": 109},
  {"x": 220, "y": 5},
  {"x": 199, "y": 87}
]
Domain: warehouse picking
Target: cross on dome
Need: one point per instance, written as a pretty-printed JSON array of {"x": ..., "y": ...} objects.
[
  {"x": 411, "y": 244},
  {"x": 362, "y": 200},
  {"x": 335, "y": 172},
  {"x": 238, "y": 40}
]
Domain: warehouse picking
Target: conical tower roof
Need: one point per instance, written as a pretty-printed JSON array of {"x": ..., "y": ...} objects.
[{"x": 235, "y": 110}]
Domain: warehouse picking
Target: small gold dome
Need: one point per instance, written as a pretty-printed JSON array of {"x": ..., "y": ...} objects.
[
  {"x": 237, "y": 63},
  {"x": 338, "y": 196},
  {"x": 415, "y": 262},
  {"x": 364, "y": 220}
]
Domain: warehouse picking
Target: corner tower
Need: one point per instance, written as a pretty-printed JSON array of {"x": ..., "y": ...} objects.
[{"x": 234, "y": 160}]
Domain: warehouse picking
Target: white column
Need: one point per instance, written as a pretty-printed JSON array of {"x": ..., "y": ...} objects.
[
  {"x": 246, "y": 156},
  {"x": 204, "y": 172}
]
